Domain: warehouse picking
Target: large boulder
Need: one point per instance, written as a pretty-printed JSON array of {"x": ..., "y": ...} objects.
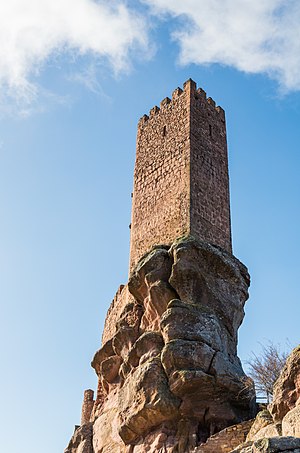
[{"x": 262, "y": 420}]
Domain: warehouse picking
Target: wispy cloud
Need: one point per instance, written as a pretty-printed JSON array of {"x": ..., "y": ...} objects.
[
  {"x": 32, "y": 31},
  {"x": 254, "y": 36},
  {"x": 89, "y": 78}
]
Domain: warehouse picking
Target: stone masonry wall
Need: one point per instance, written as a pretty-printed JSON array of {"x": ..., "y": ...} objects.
[
  {"x": 160, "y": 207},
  {"x": 210, "y": 204},
  {"x": 117, "y": 305},
  {"x": 181, "y": 178},
  {"x": 227, "y": 439},
  {"x": 87, "y": 406}
]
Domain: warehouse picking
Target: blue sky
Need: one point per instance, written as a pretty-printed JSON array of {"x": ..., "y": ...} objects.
[{"x": 75, "y": 78}]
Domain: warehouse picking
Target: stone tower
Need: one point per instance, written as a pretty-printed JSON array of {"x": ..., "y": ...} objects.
[
  {"x": 181, "y": 182},
  {"x": 169, "y": 377}
]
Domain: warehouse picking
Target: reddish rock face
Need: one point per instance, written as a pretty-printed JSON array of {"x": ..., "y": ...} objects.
[
  {"x": 81, "y": 441},
  {"x": 286, "y": 391},
  {"x": 169, "y": 375}
]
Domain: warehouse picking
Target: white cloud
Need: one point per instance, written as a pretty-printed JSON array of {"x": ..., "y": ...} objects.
[
  {"x": 254, "y": 36},
  {"x": 32, "y": 31}
]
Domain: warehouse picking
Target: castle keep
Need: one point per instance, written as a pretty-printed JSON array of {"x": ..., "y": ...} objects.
[
  {"x": 169, "y": 378},
  {"x": 181, "y": 182}
]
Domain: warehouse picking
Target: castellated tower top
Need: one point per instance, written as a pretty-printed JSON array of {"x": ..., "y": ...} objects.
[{"x": 181, "y": 184}]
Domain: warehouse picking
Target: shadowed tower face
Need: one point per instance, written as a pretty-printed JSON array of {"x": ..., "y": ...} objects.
[{"x": 181, "y": 184}]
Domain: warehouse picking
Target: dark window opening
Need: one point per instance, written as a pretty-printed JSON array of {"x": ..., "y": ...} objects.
[
  {"x": 164, "y": 131},
  {"x": 210, "y": 130}
]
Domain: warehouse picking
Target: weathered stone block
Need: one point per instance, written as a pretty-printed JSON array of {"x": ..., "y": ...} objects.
[{"x": 291, "y": 423}]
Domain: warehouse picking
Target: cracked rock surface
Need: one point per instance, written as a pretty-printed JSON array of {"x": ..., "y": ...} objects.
[{"x": 168, "y": 369}]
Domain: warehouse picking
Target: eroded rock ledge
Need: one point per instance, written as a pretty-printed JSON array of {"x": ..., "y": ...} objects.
[{"x": 169, "y": 375}]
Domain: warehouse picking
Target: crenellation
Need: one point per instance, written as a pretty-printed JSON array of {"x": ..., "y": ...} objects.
[
  {"x": 221, "y": 112},
  {"x": 143, "y": 120},
  {"x": 201, "y": 93},
  {"x": 211, "y": 102},
  {"x": 154, "y": 111},
  {"x": 176, "y": 93},
  {"x": 165, "y": 101},
  {"x": 190, "y": 86},
  {"x": 208, "y": 104}
]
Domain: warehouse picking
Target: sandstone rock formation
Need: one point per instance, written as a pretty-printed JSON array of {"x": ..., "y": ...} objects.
[
  {"x": 168, "y": 370},
  {"x": 169, "y": 379},
  {"x": 278, "y": 428},
  {"x": 261, "y": 422},
  {"x": 285, "y": 407},
  {"x": 286, "y": 394},
  {"x": 81, "y": 441},
  {"x": 291, "y": 423}
]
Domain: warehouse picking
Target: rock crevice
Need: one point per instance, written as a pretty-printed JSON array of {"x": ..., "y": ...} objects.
[{"x": 168, "y": 369}]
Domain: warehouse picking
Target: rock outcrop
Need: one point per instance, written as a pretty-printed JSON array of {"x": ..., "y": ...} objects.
[
  {"x": 169, "y": 375},
  {"x": 262, "y": 421},
  {"x": 286, "y": 394},
  {"x": 82, "y": 440},
  {"x": 278, "y": 428},
  {"x": 291, "y": 423}
]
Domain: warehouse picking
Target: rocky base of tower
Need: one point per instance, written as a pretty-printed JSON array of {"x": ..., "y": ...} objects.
[{"x": 169, "y": 375}]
